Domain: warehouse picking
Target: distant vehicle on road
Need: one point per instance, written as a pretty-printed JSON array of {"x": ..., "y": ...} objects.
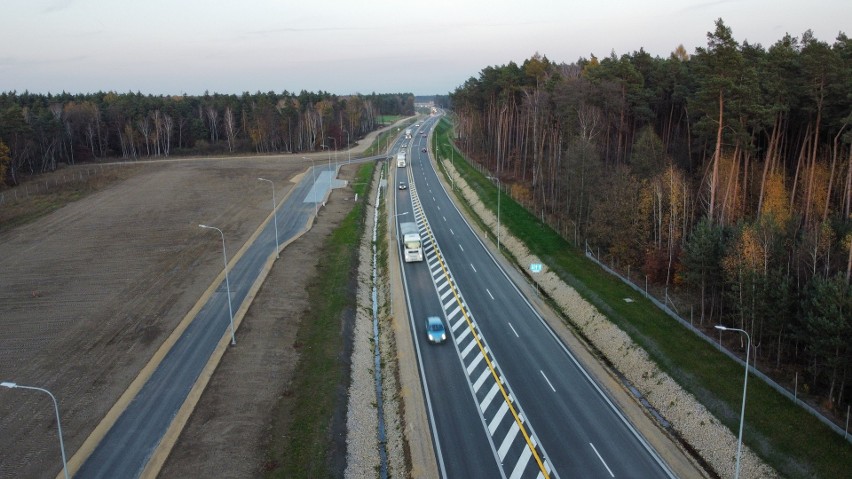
[
  {"x": 400, "y": 159},
  {"x": 423, "y": 150},
  {"x": 408, "y": 133},
  {"x": 402, "y": 185},
  {"x": 435, "y": 330}
]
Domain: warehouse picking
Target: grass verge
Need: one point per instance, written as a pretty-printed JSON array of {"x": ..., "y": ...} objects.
[
  {"x": 788, "y": 438},
  {"x": 303, "y": 437}
]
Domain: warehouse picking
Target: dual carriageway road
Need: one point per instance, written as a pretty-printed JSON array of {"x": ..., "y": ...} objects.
[{"x": 506, "y": 397}]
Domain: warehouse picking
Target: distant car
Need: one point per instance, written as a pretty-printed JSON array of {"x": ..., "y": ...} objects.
[
  {"x": 423, "y": 150},
  {"x": 435, "y": 330},
  {"x": 423, "y": 135},
  {"x": 402, "y": 186},
  {"x": 417, "y": 124}
]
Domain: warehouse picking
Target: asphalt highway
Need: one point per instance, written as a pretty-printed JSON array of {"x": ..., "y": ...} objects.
[
  {"x": 544, "y": 416},
  {"x": 129, "y": 444}
]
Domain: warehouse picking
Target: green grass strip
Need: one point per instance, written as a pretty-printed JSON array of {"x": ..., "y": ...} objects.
[
  {"x": 788, "y": 438},
  {"x": 301, "y": 441}
]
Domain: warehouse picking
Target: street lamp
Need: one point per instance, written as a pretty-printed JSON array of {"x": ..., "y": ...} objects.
[
  {"x": 11, "y": 385},
  {"x": 745, "y": 384},
  {"x": 335, "y": 152},
  {"x": 453, "y": 162},
  {"x": 227, "y": 282},
  {"x": 274, "y": 216},
  {"x": 498, "y": 209},
  {"x": 348, "y": 150},
  {"x": 396, "y": 226},
  {"x": 314, "y": 176}
]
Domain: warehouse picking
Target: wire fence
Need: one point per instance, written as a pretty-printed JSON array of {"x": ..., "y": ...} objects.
[
  {"x": 667, "y": 305},
  {"x": 664, "y": 306}
]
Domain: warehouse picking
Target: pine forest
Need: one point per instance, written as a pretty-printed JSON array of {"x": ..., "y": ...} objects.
[{"x": 723, "y": 176}]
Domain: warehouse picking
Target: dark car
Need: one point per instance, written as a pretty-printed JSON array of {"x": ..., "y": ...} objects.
[
  {"x": 423, "y": 150},
  {"x": 402, "y": 186},
  {"x": 435, "y": 330}
]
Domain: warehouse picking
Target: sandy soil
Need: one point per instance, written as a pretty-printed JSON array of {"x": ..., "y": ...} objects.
[{"x": 90, "y": 291}]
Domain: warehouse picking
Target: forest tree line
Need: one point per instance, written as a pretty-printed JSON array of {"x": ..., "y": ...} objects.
[
  {"x": 724, "y": 175},
  {"x": 38, "y": 132}
]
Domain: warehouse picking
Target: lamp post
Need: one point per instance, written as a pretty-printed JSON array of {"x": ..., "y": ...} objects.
[
  {"x": 745, "y": 384},
  {"x": 396, "y": 226},
  {"x": 11, "y": 385},
  {"x": 227, "y": 282},
  {"x": 453, "y": 162},
  {"x": 274, "y": 216},
  {"x": 348, "y": 150},
  {"x": 335, "y": 152},
  {"x": 498, "y": 209},
  {"x": 314, "y": 176}
]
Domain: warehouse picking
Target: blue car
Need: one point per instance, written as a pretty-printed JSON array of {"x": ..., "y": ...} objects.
[{"x": 435, "y": 330}]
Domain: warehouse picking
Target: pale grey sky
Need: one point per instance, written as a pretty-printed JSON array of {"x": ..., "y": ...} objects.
[{"x": 351, "y": 46}]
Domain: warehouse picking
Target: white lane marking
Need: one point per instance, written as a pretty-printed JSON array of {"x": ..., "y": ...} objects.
[
  {"x": 498, "y": 417},
  {"x": 439, "y": 208},
  {"x": 513, "y": 330},
  {"x": 461, "y": 247},
  {"x": 489, "y": 293},
  {"x": 548, "y": 383},
  {"x": 471, "y": 267},
  {"x": 452, "y": 316},
  {"x": 604, "y": 462},
  {"x": 446, "y": 293},
  {"x": 482, "y": 377},
  {"x": 488, "y": 397},
  {"x": 445, "y": 218},
  {"x": 461, "y": 337},
  {"x": 521, "y": 465},
  {"x": 451, "y": 232},
  {"x": 473, "y": 364},
  {"x": 507, "y": 441},
  {"x": 467, "y": 349}
]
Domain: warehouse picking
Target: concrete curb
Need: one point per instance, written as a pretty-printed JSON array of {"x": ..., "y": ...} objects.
[
  {"x": 673, "y": 454},
  {"x": 99, "y": 432},
  {"x": 91, "y": 443},
  {"x": 417, "y": 428}
]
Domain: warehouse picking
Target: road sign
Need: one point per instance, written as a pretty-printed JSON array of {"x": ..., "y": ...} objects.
[{"x": 535, "y": 267}]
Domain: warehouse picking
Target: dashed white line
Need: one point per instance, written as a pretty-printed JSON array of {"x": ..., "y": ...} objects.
[
  {"x": 489, "y": 293},
  {"x": 513, "y": 330},
  {"x": 461, "y": 247},
  {"x": 445, "y": 218},
  {"x": 604, "y": 462},
  {"x": 471, "y": 267},
  {"x": 451, "y": 232},
  {"x": 551, "y": 385}
]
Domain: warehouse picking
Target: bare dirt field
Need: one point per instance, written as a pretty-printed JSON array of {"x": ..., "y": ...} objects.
[
  {"x": 91, "y": 290},
  {"x": 227, "y": 431}
]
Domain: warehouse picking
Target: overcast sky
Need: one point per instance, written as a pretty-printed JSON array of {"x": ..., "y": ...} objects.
[{"x": 355, "y": 46}]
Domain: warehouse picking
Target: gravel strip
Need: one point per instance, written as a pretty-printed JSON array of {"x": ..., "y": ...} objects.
[
  {"x": 696, "y": 425},
  {"x": 362, "y": 422}
]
